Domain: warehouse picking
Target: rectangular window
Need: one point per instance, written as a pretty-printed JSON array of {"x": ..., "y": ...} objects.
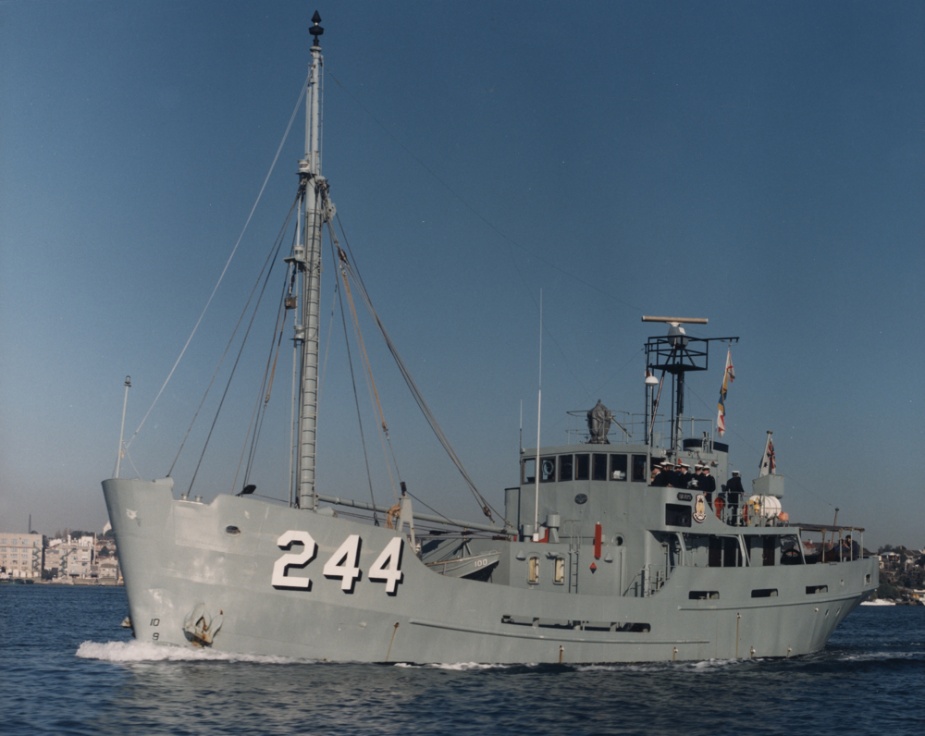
[
  {"x": 547, "y": 469},
  {"x": 618, "y": 467},
  {"x": 764, "y": 593},
  {"x": 583, "y": 467},
  {"x": 677, "y": 515},
  {"x": 790, "y": 550},
  {"x": 599, "y": 466},
  {"x": 703, "y": 595},
  {"x": 559, "y": 574},
  {"x": 731, "y": 552},
  {"x": 533, "y": 570},
  {"x": 566, "y": 463},
  {"x": 768, "y": 552},
  {"x": 528, "y": 471},
  {"x": 639, "y": 469},
  {"x": 715, "y": 556}
]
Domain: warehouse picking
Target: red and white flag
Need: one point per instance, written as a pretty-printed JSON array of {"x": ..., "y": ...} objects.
[{"x": 768, "y": 461}]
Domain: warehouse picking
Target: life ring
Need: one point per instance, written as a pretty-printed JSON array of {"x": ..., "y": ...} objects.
[{"x": 391, "y": 516}]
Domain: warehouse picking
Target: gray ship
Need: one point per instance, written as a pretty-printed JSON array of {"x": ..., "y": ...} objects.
[{"x": 609, "y": 550}]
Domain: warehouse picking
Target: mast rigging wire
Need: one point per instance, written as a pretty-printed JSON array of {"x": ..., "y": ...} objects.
[
  {"x": 271, "y": 258},
  {"x": 231, "y": 256},
  {"x": 487, "y": 509},
  {"x": 356, "y": 398}
]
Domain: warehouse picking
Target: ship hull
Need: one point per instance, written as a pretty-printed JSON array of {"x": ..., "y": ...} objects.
[{"x": 245, "y": 576}]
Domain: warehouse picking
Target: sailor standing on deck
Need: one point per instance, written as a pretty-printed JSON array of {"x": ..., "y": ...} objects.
[
  {"x": 850, "y": 550},
  {"x": 734, "y": 493},
  {"x": 663, "y": 477},
  {"x": 707, "y": 484},
  {"x": 695, "y": 480},
  {"x": 676, "y": 477}
]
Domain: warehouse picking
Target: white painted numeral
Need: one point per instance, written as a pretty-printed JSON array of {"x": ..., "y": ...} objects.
[
  {"x": 387, "y": 567},
  {"x": 344, "y": 563},
  {"x": 281, "y": 579}
]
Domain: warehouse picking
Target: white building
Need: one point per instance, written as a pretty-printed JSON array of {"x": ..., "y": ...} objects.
[
  {"x": 78, "y": 557},
  {"x": 21, "y": 556}
]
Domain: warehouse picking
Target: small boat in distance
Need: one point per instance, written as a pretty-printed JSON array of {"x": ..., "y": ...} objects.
[{"x": 607, "y": 550}]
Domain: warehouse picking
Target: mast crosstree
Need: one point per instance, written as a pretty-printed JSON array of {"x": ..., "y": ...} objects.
[{"x": 676, "y": 353}]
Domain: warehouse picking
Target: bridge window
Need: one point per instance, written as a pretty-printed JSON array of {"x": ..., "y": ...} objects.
[
  {"x": 599, "y": 466},
  {"x": 583, "y": 467},
  {"x": 566, "y": 466},
  {"x": 618, "y": 467},
  {"x": 528, "y": 470},
  {"x": 547, "y": 469},
  {"x": 640, "y": 474}
]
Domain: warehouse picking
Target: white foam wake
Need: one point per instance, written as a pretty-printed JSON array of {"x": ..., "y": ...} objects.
[{"x": 137, "y": 651}]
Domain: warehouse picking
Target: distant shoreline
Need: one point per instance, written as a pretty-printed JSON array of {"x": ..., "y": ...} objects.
[{"x": 61, "y": 584}]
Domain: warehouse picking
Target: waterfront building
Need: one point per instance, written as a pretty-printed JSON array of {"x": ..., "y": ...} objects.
[
  {"x": 54, "y": 558},
  {"x": 22, "y": 556},
  {"x": 77, "y": 559}
]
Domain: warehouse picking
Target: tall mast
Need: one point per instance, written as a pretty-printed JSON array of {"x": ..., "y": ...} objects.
[{"x": 314, "y": 190}]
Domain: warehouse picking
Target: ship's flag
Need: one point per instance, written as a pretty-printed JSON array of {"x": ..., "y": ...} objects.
[
  {"x": 729, "y": 375},
  {"x": 768, "y": 461}
]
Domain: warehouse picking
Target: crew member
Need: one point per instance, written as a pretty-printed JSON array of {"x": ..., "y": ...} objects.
[
  {"x": 664, "y": 475},
  {"x": 734, "y": 493},
  {"x": 707, "y": 484}
]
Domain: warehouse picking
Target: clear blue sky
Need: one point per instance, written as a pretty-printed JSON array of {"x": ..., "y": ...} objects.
[{"x": 760, "y": 164}]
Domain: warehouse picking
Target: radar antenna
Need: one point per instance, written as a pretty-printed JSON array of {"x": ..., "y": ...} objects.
[{"x": 676, "y": 353}]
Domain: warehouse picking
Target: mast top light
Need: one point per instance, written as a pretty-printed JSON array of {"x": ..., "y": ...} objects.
[{"x": 316, "y": 30}]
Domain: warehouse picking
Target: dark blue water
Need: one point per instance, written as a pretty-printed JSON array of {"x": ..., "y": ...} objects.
[{"x": 66, "y": 667}]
